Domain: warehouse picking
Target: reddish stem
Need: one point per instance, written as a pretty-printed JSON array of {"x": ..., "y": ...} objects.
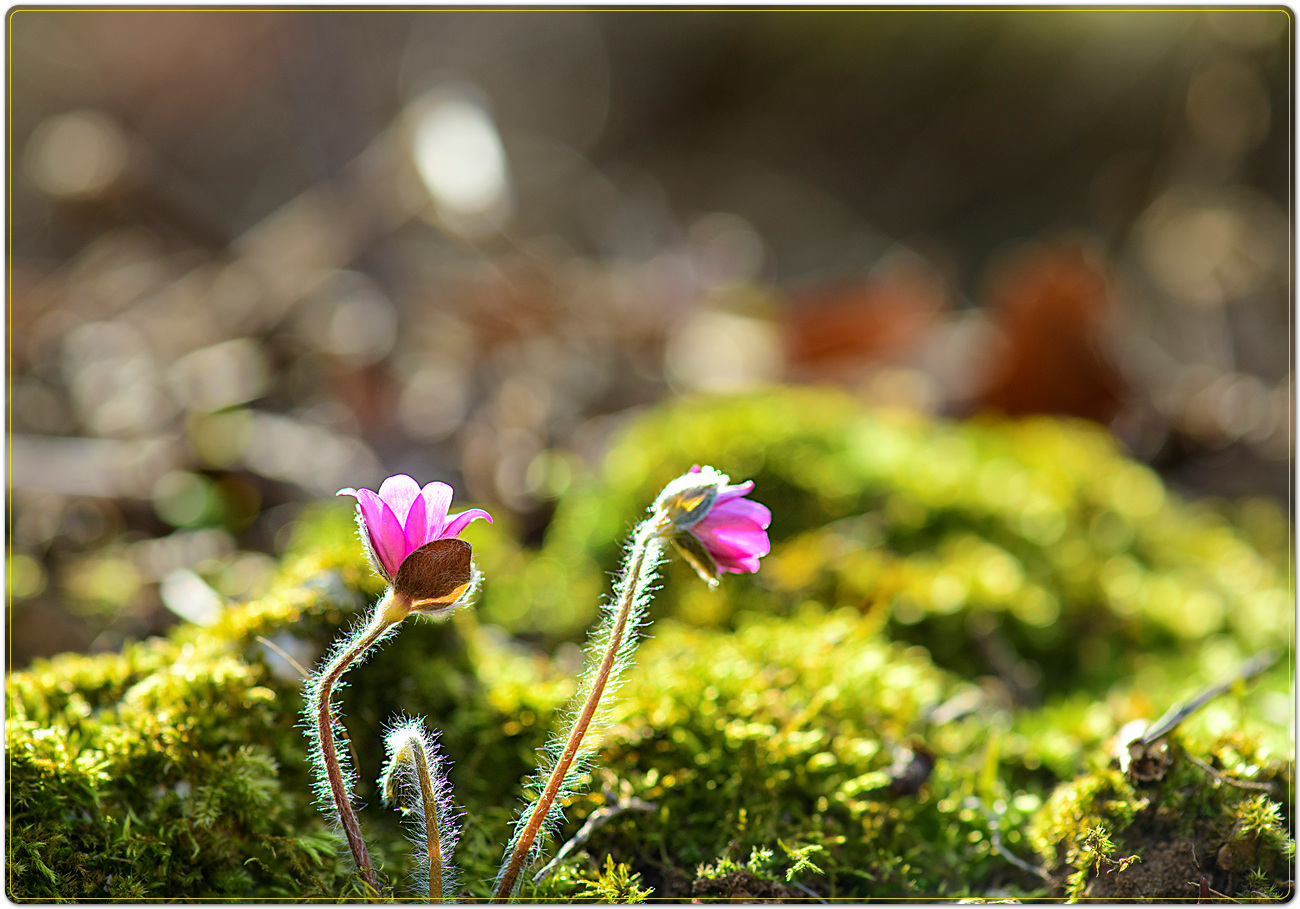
[
  {"x": 506, "y": 887},
  {"x": 325, "y": 728}
]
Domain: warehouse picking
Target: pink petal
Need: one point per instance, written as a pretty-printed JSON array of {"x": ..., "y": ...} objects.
[
  {"x": 417, "y": 527},
  {"x": 729, "y": 542},
  {"x": 728, "y": 493},
  {"x": 386, "y": 535},
  {"x": 402, "y": 517},
  {"x": 437, "y": 499},
  {"x": 461, "y": 521},
  {"x": 742, "y": 513},
  {"x": 738, "y": 566},
  {"x": 399, "y": 492}
]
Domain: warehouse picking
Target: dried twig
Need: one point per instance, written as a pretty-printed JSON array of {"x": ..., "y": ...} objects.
[
  {"x": 284, "y": 654},
  {"x": 995, "y": 840},
  {"x": 1203, "y": 886},
  {"x": 809, "y": 892},
  {"x": 1224, "y": 778},
  {"x": 599, "y": 818}
]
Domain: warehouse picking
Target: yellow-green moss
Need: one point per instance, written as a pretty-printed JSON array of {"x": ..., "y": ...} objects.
[
  {"x": 1038, "y": 532},
  {"x": 831, "y": 726},
  {"x": 1222, "y": 815}
]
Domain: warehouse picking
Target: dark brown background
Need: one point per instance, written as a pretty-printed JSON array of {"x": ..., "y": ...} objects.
[{"x": 231, "y": 293}]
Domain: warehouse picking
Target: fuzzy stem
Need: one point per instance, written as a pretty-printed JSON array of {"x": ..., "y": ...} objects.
[
  {"x": 645, "y": 536},
  {"x": 329, "y": 755},
  {"x": 432, "y": 839}
]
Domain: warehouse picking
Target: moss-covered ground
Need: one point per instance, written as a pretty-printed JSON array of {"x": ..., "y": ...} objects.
[{"x": 919, "y": 696}]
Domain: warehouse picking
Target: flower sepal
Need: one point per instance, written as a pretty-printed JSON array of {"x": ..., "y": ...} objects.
[
  {"x": 693, "y": 551},
  {"x": 686, "y": 500},
  {"x": 431, "y": 580},
  {"x": 368, "y": 547}
]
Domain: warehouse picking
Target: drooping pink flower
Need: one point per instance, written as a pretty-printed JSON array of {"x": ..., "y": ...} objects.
[
  {"x": 712, "y": 524},
  {"x": 734, "y": 531},
  {"x": 402, "y": 517}
]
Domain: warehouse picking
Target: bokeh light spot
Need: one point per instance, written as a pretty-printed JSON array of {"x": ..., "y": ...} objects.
[
  {"x": 183, "y": 499},
  {"x": 24, "y": 576},
  {"x": 77, "y": 154},
  {"x": 461, "y": 160}
]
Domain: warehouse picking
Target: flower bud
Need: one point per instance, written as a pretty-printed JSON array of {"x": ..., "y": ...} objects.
[{"x": 712, "y": 525}]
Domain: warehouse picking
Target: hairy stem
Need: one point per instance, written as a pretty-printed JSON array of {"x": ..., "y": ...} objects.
[
  {"x": 329, "y": 754},
  {"x": 433, "y": 840},
  {"x": 631, "y": 588}
]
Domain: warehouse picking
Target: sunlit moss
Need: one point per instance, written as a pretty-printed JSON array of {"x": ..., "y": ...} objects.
[
  {"x": 846, "y": 723},
  {"x": 1221, "y": 812},
  {"x": 1041, "y": 522}
]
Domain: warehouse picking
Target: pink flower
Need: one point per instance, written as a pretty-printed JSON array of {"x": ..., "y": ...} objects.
[
  {"x": 711, "y": 523},
  {"x": 734, "y": 532},
  {"x": 402, "y": 517}
]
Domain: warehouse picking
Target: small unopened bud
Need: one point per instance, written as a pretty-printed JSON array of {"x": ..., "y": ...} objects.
[{"x": 415, "y": 780}]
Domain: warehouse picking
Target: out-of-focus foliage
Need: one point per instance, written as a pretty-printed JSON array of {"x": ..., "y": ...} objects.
[
  {"x": 802, "y": 738},
  {"x": 259, "y": 255},
  {"x": 980, "y": 540}
]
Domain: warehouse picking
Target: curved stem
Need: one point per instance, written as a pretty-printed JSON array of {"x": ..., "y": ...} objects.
[
  {"x": 507, "y": 882},
  {"x": 329, "y": 754}
]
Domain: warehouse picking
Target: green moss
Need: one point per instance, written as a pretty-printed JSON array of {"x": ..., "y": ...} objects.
[
  {"x": 1038, "y": 534},
  {"x": 1224, "y": 812},
  {"x": 616, "y": 883},
  {"x": 172, "y": 768},
  {"x": 915, "y": 697}
]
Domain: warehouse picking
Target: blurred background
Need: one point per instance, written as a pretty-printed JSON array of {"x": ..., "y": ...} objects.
[{"x": 256, "y": 256}]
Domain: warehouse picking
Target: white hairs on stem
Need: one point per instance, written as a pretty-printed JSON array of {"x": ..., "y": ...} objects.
[
  {"x": 350, "y": 650},
  {"x": 333, "y": 774},
  {"x": 609, "y": 654},
  {"x": 415, "y": 779}
]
